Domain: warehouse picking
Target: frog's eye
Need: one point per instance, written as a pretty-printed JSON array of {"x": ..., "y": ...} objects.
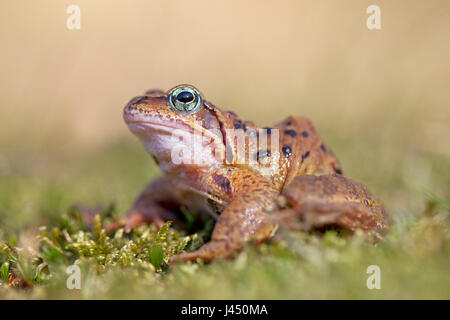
[{"x": 185, "y": 99}]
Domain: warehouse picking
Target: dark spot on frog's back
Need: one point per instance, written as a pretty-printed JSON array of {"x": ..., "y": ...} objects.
[
  {"x": 222, "y": 182},
  {"x": 305, "y": 134},
  {"x": 287, "y": 151},
  {"x": 305, "y": 155},
  {"x": 290, "y": 132}
]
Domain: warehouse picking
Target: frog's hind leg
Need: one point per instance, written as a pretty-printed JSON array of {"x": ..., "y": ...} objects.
[
  {"x": 156, "y": 204},
  {"x": 317, "y": 202}
]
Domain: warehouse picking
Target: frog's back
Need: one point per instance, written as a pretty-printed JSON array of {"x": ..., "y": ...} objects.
[{"x": 305, "y": 150}]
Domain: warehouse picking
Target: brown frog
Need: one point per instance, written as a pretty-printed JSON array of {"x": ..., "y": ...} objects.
[{"x": 250, "y": 179}]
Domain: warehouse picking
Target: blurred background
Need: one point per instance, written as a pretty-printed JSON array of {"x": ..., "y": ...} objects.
[{"x": 379, "y": 98}]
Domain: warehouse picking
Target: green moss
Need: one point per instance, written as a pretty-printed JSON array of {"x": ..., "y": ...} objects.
[{"x": 296, "y": 265}]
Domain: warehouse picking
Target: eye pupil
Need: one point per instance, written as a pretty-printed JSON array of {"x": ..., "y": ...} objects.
[{"x": 185, "y": 97}]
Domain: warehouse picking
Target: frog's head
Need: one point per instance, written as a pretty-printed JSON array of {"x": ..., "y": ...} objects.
[{"x": 178, "y": 125}]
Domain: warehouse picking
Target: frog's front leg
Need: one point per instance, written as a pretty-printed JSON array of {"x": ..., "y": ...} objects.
[
  {"x": 244, "y": 219},
  {"x": 331, "y": 200},
  {"x": 156, "y": 204}
]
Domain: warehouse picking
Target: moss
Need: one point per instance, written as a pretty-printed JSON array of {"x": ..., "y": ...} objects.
[{"x": 274, "y": 270}]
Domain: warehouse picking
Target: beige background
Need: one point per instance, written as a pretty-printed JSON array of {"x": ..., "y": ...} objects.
[{"x": 263, "y": 59}]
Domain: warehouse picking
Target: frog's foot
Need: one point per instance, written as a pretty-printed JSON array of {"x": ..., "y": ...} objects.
[
  {"x": 331, "y": 201},
  {"x": 209, "y": 251}
]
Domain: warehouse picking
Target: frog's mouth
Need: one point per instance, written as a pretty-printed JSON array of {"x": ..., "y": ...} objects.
[{"x": 146, "y": 128}]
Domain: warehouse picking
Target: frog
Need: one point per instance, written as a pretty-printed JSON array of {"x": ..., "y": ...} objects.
[{"x": 282, "y": 176}]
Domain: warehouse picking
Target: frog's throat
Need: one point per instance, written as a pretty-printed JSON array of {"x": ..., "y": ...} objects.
[
  {"x": 161, "y": 138},
  {"x": 142, "y": 127}
]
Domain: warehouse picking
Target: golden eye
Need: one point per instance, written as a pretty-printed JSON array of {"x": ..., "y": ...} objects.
[{"x": 185, "y": 99}]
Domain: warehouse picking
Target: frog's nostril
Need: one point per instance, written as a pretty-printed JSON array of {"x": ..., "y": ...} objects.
[{"x": 185, "y": 97}]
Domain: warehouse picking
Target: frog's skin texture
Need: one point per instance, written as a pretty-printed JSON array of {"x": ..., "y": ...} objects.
[{"x": 304, "y": 190}]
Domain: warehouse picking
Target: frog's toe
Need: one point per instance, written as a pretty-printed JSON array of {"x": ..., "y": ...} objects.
[{"x": 209, "y": 251}]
